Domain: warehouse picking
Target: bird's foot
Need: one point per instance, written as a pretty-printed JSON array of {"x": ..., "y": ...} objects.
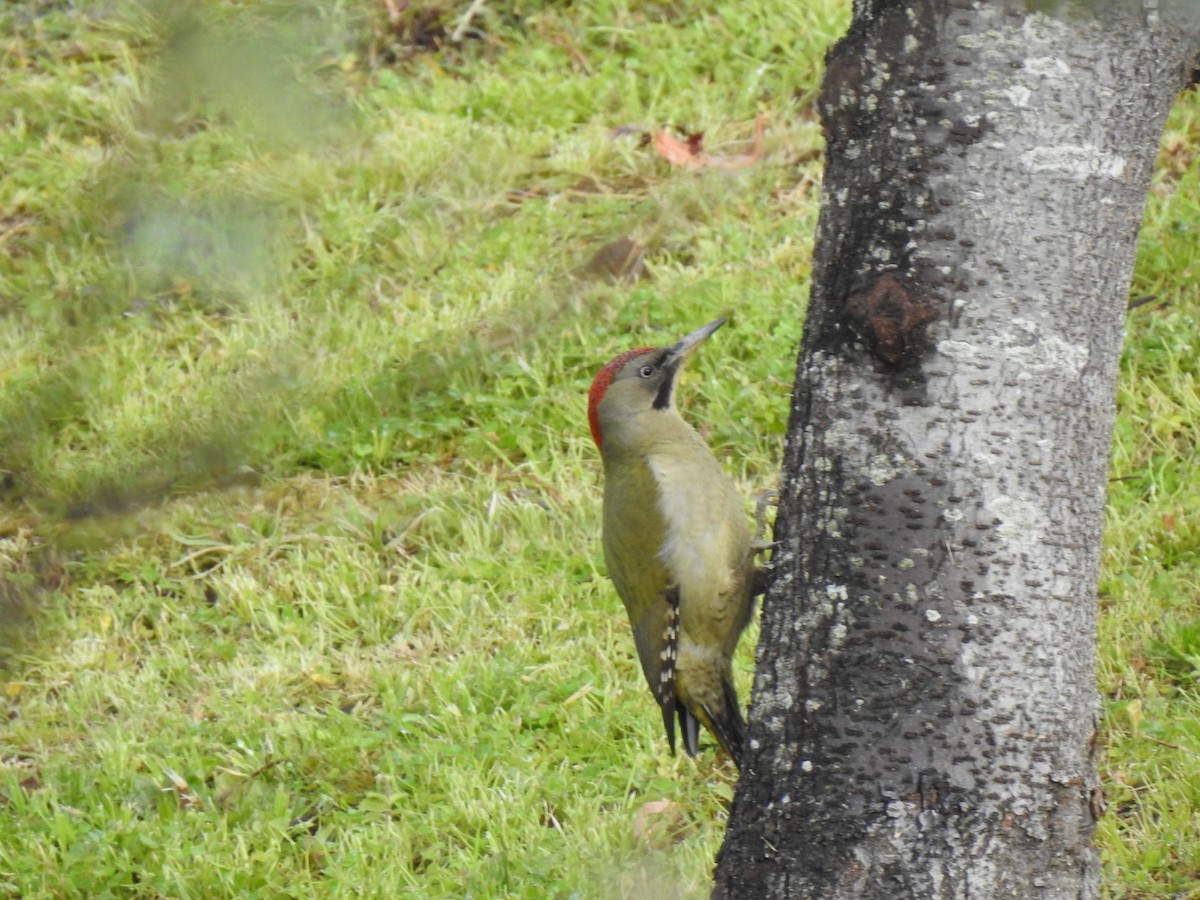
[{"x": 762, "y": 502}]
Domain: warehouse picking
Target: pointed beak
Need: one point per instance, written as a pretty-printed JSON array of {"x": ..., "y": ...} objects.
[{"x": 684, "y": 348}]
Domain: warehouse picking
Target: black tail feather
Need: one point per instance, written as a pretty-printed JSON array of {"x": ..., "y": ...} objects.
[
  {"x": 690, "y": 726},
  {"x": 668, "y": 714},
  {"x": 728, "y": 725}
]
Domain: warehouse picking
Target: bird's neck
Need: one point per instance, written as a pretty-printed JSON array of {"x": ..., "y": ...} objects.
[{"x": 651, "y": 432}]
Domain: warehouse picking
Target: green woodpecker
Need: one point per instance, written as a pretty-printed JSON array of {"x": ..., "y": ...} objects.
[{"x": 676, "y": 542}]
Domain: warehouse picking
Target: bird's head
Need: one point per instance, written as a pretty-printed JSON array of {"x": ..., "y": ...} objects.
[{"x": 639, "y": 381}]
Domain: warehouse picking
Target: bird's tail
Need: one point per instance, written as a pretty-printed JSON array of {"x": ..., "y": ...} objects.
[
  {"x": 726, "y": 723},
  {"x": 723, "y": 717}
]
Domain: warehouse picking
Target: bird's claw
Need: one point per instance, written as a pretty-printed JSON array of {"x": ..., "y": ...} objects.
[{"x": 763, "y": 500}]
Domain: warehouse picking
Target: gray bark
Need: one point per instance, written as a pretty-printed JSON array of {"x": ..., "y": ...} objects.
[{"x": 923, "y": 722}]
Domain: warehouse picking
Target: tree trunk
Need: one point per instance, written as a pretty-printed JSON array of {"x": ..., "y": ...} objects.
[{"x": 923, "y": 722}]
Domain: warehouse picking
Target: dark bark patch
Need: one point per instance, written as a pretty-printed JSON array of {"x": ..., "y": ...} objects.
[
  {"x": 891, "y": 319},
  {"x": 846, "y": 69}
]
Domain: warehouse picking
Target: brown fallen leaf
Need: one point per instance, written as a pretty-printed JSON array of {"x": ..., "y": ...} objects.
[
  {"x": 621, "y": 260},
  {"x": 679, "y": 153},
  {"x": 690, "y": 153}
]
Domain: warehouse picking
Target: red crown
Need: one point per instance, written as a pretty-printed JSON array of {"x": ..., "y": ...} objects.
[{"x": 601, "y": 382}]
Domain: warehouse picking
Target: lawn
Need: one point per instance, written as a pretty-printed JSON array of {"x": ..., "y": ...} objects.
[{"x": 301, "y": 586}]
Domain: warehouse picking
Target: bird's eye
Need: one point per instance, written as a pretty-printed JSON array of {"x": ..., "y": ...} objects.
[{"x": 646, "y": 371}]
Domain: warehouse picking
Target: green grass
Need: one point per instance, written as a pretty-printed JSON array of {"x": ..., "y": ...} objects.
[
  {"x": 1150, "y": 582},
  {"x": 299, "y": 559}
]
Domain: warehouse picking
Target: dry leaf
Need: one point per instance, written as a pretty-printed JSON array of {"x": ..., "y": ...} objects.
[
  {"x": 677, "y": 152},
  {"x": 690, "y": 153},
  {"x": 622, "y": 260}
]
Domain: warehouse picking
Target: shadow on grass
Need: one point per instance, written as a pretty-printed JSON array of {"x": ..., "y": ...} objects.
[{"x": 246, "y": 432}]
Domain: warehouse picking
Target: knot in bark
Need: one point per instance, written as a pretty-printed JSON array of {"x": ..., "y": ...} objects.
[{"x": 891, "y": 319}]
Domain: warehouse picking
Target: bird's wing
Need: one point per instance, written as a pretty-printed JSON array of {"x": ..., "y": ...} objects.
[{"x": 665, "y": 692}]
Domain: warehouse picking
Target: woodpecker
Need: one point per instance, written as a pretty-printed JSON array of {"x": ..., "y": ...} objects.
[{"x": 676, "y": 542}]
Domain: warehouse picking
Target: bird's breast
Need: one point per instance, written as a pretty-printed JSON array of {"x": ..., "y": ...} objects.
[{"x": 705, "y": 534}]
